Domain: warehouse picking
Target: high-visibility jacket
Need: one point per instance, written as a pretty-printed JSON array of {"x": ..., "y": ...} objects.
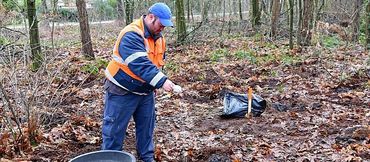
[{"x": 137, "y": 58}]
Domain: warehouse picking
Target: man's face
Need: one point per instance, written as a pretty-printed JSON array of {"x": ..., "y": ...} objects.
[{"x": 155, "y": 26}]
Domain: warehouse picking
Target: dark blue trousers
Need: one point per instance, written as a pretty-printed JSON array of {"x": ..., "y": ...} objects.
[{"x": 117, "y": 113}]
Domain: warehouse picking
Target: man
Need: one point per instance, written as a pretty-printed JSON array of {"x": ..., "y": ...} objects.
[{"x": 132, "y": 76}]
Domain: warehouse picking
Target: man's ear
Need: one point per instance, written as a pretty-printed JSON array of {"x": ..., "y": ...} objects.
[{"x": 151, "y": 16}]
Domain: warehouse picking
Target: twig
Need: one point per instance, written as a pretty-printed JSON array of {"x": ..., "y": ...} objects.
[
  {"x": 195, "y": 29},
  {"x": 6, "y": 98},
  {"x": 3, "y": 27}
]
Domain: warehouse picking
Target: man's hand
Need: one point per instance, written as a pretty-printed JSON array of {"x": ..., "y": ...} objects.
[{"x": 168, "y": 85}]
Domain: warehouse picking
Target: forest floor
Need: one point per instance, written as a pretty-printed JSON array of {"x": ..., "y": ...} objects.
[{"x": 318, "y": 103}]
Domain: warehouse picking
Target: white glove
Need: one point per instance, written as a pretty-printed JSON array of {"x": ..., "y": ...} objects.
[
  {"x": 177, "y": 89},
  {"x": 168, "y": 85}
]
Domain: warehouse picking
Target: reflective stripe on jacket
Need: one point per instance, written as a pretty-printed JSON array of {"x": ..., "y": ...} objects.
[{"x": 137, "y": 57}]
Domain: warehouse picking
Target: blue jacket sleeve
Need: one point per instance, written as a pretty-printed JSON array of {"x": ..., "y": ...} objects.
[{"x": 132, "y": 50}]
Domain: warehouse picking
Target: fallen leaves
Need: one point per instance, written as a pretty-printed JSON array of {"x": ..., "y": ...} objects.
[{"x": 318, "y": 107}]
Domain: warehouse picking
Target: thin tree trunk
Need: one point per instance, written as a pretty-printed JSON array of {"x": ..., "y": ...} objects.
[
  {"x": 223, "y": 16},
  {"x": 44, "y": 7},
  {"x": 291, "y": 5},
  {"x": 129, "y": 10},
  {"x": 305, "y": 31},
  {"x": 356, "y": 21},
  {"x": 284, "y": 6},
  {"x": 180, "y": 20},
  {"x": 240, "y": 10},
  {"x": 192, "y": 14},
  {"x": 54, "y": 11},
  {"x": 34, "y": 35},
  {"x": 205, "y": 11},
  {"x": 233, "y": 8},
  {"x": 275, "y": 17},
  {"x": 120, "y": 13},
  {"x": 84, "y": 29},
  {"x": 319, "y": 8},
  {"x": 367, "y": 45},
  {"x": 256, "y": 14},
  {"x": 188, "y": 9},
  {"x": 315, "y": 12},
  {"x": 231, "y": 13},
  {"x": 300, "y": 11}
]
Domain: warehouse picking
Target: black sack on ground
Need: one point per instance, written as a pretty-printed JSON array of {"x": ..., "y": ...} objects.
[{"x": 236, "y": 105}]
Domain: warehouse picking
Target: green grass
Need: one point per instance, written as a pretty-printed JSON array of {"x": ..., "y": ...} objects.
[
  {"x": 248, "y": 55},
  {"x": 233, "y": 36},
  {"x": 172, "y": 66},
  {"x": 273, "y": 73},
  {"x": 218, "y": 54},
  {"x": 94, "y": 66},
  {"x": 288, "y": 60},
  {"x": 200, "y": 77},
  {"x": 280, "y": 88},
  {"x": 270, "y": 45},
  {"x": 266, "y": 59},
  {"x": 3, "y": 40},
  {"x": 257, "y": 37},
  {"x": 331, "y": 41},
  {"x": 343, "y": 77},
  {"x": 367, "y": 85}
]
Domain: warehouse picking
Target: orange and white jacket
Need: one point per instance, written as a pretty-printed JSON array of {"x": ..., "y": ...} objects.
[{"x": 137, "y": 59}]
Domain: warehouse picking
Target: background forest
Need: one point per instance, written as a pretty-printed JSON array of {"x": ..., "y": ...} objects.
[{"x": 309, "y": 59}]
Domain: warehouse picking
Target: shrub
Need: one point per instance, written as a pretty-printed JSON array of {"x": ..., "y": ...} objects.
[
  {"x": 218, "y": 54},
  {"x": 93, "y": 67},
  {"x": 104, "y": 9},
  {"x": 3, "y": 40},
  {"x": 68, "y": 14},
  {"x": 331, "y": 41}
]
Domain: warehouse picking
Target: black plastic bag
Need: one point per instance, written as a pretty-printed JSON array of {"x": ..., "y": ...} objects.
[{"x": 236, "y": 105}]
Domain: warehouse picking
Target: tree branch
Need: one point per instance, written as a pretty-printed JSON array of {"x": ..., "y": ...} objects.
[{"x": 6, "y": 98}]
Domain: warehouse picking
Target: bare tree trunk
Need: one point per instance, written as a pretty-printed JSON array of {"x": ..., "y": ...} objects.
[
  {"x": 291, "y": 5},
  {"x": 315, "y": 13},
  {"x": 356, "y": 21},
  {"x": 34, "y": 35},
  {"x": 231, "y": 9},
  {"x": 284, "y": 6},
  {"x": 129, "y": 10},
  {"x": 120, "y": 13},
  {"x": 305, "y": 31},
  {"x": 275, "y": 17},
  {"x": 84, "y": 29},
  {"x": 300, "y": 13},
  {"x": 367, "y": 45},
  {"x": 188, "y": 9},
  {"x": 192, "y": 15},
  {"x": 205, "y": 11},
  {"x": 320, "y": 7},
  {"x": 212, "y": 8},
  {"x": 256, "y": 14},
  {"x": 54, "y": 11},
  {"x": 44, "y": 7},
  {"x": 223, "y": 16},
  {"x": 180, "y": 21},
  {"x": 240, "y": 10}
]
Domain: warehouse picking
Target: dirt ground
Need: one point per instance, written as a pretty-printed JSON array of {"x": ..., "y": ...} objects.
[{"x": 318, "y": 105}]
